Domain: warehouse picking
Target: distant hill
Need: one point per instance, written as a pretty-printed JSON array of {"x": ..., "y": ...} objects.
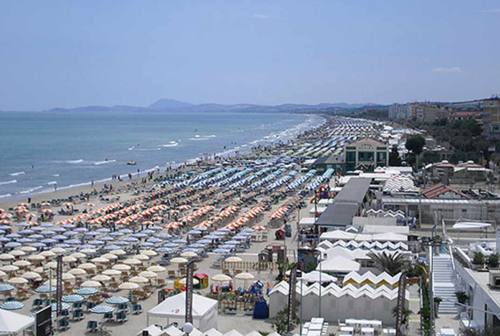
[{"x": 172, "y": 105}]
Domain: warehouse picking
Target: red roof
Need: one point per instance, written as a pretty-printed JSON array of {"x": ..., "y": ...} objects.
[{"x": 438, "y": 189}]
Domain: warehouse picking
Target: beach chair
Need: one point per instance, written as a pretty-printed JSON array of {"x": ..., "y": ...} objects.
[
  {"x": 92, "y": 326},
  {"x": 120, "y": 317},
  {"x": 77, "y": 315},
  {"x": 171, "y": 274},
  {"x": 136, "y": 309},
  {"x": 108, "y": 317},
  {"x": 63, "y": 324}
]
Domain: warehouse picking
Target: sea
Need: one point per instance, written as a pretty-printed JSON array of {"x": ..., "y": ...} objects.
[{"x": 44, "y": 151}]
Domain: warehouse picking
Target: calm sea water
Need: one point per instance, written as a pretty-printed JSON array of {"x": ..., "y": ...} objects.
[{"x": 39, "y": 150}]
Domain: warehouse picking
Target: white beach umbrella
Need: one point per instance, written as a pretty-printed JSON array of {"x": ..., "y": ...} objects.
[
  {"x": 149, "y": 253},
  {"x": 121, "y": 267},
  {"x": 51, "y": 265},
  {"x": 78, "y": 255},
  {"x": 6, "y": 257},
  {"x": 118, "y": 252},
  {"x": 67, "y": 276},
  {"x": 244, "y": 276},
  {"x": 9, "y": 268},
  {"x": 28, "y": 249},
  {"x": 141, "y": 257},
  {"x": 35, "y": 257},
  {"x": 233, "y": 259},
  {"x": 139, "y": 280},
  {"x": 148, "y": 275},
  {"x": 18, "y": 253},
  {"x": 195, "y": 281},
  {"x": 100, "y": 260},
  {"x": 132, "y": 261},
  {"x": 31, "y": 275},
  {"x": 21, "y": 263},
  {"x": 87, "y": 266},
  {"x": 110, "y": 256},
  {"x": 102, "y": 278},
  {"x": 178, "y": 260},
  {"x": 157, "y": 269},
  {"x": 2, "y": 274},
  {"x": 78, "y": 271},
  {"x": 69, "y": 259},
  {"x": 112, "y": 272},
  {"x": 91, "y": 283},
  {"x": 58, "y": 250},
  {"x": 188, "y": 254},
  {"x": 88, "y": 251},
  {"x": 221, "y": 277},
  {"x": 48, "y": 254},
  {"x": 128, "y": 286},
  {"x": 17, "y": 281}
]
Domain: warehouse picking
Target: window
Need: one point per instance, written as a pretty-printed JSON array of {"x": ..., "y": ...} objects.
[{"x": 350, "y": 156}]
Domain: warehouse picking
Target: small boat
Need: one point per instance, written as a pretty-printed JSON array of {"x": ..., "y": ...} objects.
[{"x": 131, "y": 163}]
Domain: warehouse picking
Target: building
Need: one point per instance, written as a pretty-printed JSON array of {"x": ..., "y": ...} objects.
[
  {"x": 399, "y": 112},
  {"x": 465, "y": 115},
  {"x": 349, "y": 202},
  {"x": 429, "y": 113},
  {"x": 462, "y": 173},
  {"x": 366, "y": 154},
  {"x": 491, "y": 117}
]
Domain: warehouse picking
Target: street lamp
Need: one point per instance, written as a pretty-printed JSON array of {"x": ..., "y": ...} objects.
[{"x": 187, "y": 328}]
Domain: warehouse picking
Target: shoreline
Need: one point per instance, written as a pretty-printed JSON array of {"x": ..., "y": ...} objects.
[{"x": 84, "y": 188}]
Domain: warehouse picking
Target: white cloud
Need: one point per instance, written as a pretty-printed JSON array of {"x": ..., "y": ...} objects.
[
  {"x": 260, "y": 16},
  {"x": 447, "y": 70}
]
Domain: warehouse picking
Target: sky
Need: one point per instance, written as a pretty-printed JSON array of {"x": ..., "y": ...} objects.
[{"x": 103, "y": 52}]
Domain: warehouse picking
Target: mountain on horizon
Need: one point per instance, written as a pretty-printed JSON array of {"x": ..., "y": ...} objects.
[{"x": 173, "y": 105}]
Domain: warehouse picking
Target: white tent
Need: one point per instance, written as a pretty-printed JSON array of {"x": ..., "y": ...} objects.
[
  {"x": 338, "y": 264},
  {"x": 12, "y": 323},
  {"x": 204, "y": 310},
  {"x": 153, "y": 331},
  {"x": 315, "y": 276}
]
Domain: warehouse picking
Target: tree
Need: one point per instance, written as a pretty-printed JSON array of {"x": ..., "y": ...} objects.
[
  {"x": 478, "y": 259},
  {"x": 415, "y": 144},
  {"x": 493, "y": 260},
  {"x": 389, "y": 263},
  {"x": 394, "y": 159},
  {"x": 430, "y": 157}
]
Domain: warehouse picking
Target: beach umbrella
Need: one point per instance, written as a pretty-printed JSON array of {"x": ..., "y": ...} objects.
[
  {"x": 115, "y": 300},
  {"x": 141, "y": 257},
  {"x": 222, "y": 251},
  {"x": 38, "y": 245},
  {"x": 87, "y": 266},
  {"x": 148, "y": 275},
  {"x": 6, "y": 257},
  {"x": 100, "y": 277},
  {"x": 149, "y": 253},
  {"x": 73, "y": 298},
  {"x": 17, "y": 253},
  {"x": 28, "y": 249},
  {"x": 47, "y": 254},
  {"x": 86, "y": 291},
  {"x": 45, "y": 289},
  {"x": 51, "y": 265},
  {"x": 5, "y": 287},
  {"x": 31, "y": 275},
  {"x": 35, "y": 257},
  {"x": 78, "y": 255},
  {"x": 178, "y": 260},
  {"x": 128, "y": 286},
  {"x": 157, "y": 269},
  {"x": 221, "y": 277},
  {"x": 12, "y": 305},
  {"x": 58, "y": 250},
  {"x": 77, "y": 271},
  {"x": 12, "y": 245},
  {"x": 9, "y": 268},
  {"x": 21, "y": 263},
  {"x": 233, "y": 259},
  {"x": 40, "y": 270},
  {"x": 244, "y": 276},
  {"x": 17, "y": 281},
  {"x": 111, "y": 247},
  {"x": 67, "y": 276},
  {"x": 112, "y": 272},
  {"x": 100, "y": 260},
  {"x": 91, "y": 283},
  {"x": 88, "y": 250},
  {"x": 2, "y": 274},
  {"x": 102, "y": 309},
  {"x": 69, "y": 259},
  {"x": 188, "y": 254},
  {"x": 110, "y": 256},
  {"x": 118, "y": 252},
  {"x": 132, "y": 261},
  {"x": 139, "y": 280},
  {"x": 121, "y": 267}
]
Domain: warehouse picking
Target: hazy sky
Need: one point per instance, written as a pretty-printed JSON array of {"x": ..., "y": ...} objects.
[{"x": 72, "y": 53}]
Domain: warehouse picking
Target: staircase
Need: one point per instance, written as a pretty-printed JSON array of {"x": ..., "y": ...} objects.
[{"x": 443, "y": 277}]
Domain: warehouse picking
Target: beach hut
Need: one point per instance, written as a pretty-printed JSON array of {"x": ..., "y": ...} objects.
[{"x": 173, "y": 308}]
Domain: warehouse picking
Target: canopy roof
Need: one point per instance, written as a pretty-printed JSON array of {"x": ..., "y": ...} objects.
[
  {"x": 174, "y": 306},
  {"x": 11, "y": 322}
]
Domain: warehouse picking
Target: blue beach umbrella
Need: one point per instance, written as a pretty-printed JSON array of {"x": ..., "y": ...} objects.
[
  {"x": 114, "y": 300},
  {"x": 12, "y": 305},
  {"x": 86, "y": 291},
  {"x": 116, "y": 234},
  {"x": 38, "y": 244},
  {"x": 72, "y": 298},
  {"x": 102, "y": 309},
  {"x": 111, "y": 247},
  {"x": 5, "y": 287},
  {"x": 12, "y": 244},
  {"x": 45, "y": 289}
]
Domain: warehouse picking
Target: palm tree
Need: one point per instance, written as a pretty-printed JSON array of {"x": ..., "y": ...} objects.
[{"x": 389, "y": 263}]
